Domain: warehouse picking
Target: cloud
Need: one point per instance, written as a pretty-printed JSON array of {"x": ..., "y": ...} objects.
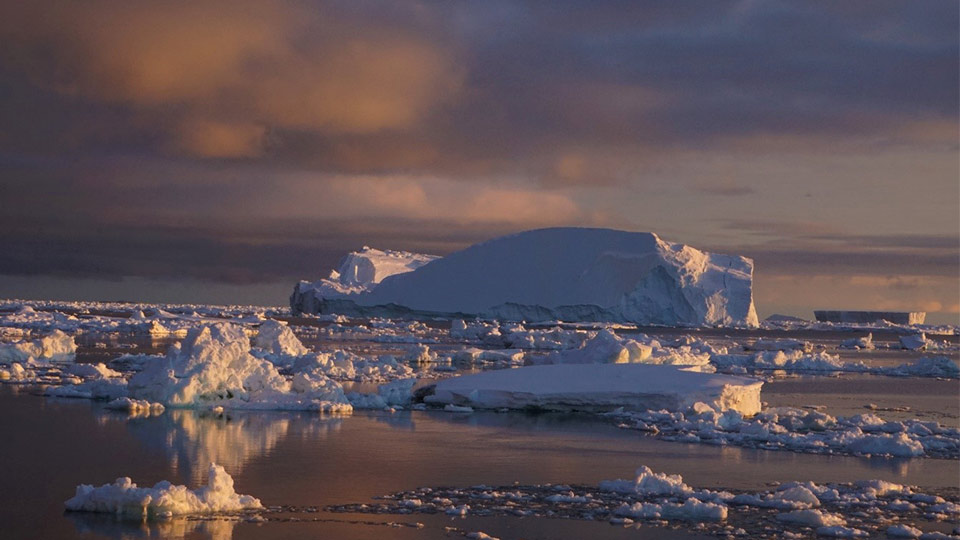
[
  {"x": 228, "y": 70},
  {"x": 566, "y": 93},
  {"x": 221, "y": 140},
  {"x": 724, "y": 188}
]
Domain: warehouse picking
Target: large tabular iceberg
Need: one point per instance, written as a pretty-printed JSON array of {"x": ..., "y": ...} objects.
[{"x": 570, "y": 274}]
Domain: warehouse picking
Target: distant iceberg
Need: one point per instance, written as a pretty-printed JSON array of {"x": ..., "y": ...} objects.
[{"x": 570, "y": 274}]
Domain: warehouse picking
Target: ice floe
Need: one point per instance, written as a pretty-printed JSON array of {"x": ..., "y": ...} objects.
[
  {"x": 57, "y": 346},
  {"x": 163, "y": 500},
  {"x": 598, "y": 387},
  {"x": 213, "y": 367}
]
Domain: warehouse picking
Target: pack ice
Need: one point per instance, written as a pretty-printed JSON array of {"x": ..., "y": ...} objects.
[
  {"x": 595, "y": 387},
  {"x": 570, "y": 274},
  {"x": 213, "y": 366}
]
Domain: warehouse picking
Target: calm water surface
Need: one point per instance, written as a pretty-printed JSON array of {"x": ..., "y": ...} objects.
[{"x": 49, "y": 446}]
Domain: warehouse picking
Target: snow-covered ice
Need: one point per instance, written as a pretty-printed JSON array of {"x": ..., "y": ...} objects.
[
  {"x": 213, "y": 367},
  {"x": 163, "y": 500},
  {"x": 57, "y": 346},
  {"x": 598, "y": 387}
]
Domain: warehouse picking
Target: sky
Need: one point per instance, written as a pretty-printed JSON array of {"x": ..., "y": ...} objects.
[{"x": 221, "y": 151}]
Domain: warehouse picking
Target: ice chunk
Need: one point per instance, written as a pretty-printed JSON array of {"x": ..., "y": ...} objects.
[
  {"x": 604, "y": 348},
  {"x": 163, "y": 500},
  {"x": 862, "y": 343},
  {"x": 764, "y": 344},
  {"x": 91, "y": 371},
  {"x": 649, "y": 483},
  {"x": 213, "y": 366},
  {"x": 55, "y": 347},
  {"x": 569, "y": 274},
  {"x": 903, "y": 531},
  {"x": 812, "y": 518},
  {"x": 135, "y": 407},
  {"x": 277, "y": 339},
  {"x": 914, "y": 342},
  {"x": 839, "y": 531},
  {"x": 599, "y": 387},
  {"x": 936, "y": 366}
]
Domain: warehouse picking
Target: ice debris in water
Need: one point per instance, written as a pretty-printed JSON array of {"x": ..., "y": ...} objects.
[
  {"x": 832, "y": 510},
  {"x": 164, "y": 499},
  {"x": 135, "y": 407},
  {"x": 213, "y": 367},
  {"x": 797, "y": 430},
  {"x": 861, "y": 343}
]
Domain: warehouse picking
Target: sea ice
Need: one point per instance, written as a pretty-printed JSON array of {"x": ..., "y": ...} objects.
[
  {"x": 598, "y": 387},
  {"x": 277, "y": 339},
  {"x": 861, "y": 343},
  {"x": 164, "y": 499},
  {"x": 843, "y": 510},
  {"x": 764, "y": 344},
  {"x": 213, "y": 367},
  {"x": 54, "y": 347},
  {"x": 914, "y": 342},
  {"x": 136, "y": 407},
  {"x": 604, "y": 348}
]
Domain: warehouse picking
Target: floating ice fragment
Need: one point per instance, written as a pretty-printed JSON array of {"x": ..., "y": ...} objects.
[{"x": 164, "y": 499}]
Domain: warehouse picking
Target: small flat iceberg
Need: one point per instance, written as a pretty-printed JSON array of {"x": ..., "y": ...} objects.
[
  {"x": 123, "y": 498},
  {"x": 598, "y": 387}
]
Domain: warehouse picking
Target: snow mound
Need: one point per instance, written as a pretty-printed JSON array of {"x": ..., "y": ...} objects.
[
  {"x": 570, "y": 274},
  {"x": 599, "y": 387},
  {"x": 213, "y": 367},
  {"x": 163, "y": 500},
  {"x": 54, "y": 347},
  {"x": 358, "y": 272}
]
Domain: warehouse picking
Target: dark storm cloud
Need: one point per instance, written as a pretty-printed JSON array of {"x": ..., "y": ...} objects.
[
  {"x": 466, "y": 88},
  {"x": 204, "y": 138}
]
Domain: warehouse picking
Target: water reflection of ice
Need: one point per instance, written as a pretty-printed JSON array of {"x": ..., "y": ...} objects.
[
  {"x": 110, "y": 526},
  {"x": 193, "y": 440}
]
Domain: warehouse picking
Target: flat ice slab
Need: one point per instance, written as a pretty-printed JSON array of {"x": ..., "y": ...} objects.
[
  {"x": 846, "y": 316},
  {"x": 599, "y": 387}
]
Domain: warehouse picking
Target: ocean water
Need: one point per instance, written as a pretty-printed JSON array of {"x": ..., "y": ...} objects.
[{"x": 304, "y": 460}]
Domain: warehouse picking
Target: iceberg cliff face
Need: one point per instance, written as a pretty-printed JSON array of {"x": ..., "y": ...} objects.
[
  {"x": 360, "y": 271},
  {"x": 570, "y": 274}
]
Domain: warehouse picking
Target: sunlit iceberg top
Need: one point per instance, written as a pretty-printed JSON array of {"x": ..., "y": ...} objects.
[{"x": 571, "y": 274}]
